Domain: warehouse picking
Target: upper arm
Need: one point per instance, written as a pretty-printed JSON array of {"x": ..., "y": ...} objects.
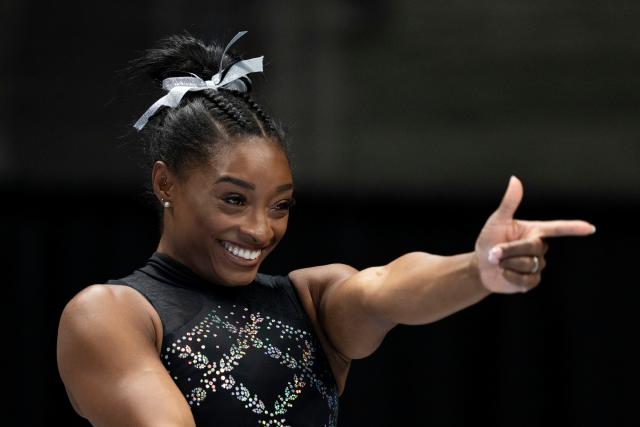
[
  {"x": 108, "y": 361},
  {"x": 343, "y": 298}
]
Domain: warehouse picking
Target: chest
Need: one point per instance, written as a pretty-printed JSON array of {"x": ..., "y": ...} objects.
[{"x": 237, "y": 364}]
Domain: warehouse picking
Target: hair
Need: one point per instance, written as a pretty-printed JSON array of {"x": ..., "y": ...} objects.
[{"x": 205, "y": 120}]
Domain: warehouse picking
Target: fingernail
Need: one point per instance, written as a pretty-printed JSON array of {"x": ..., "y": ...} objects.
[
  {"x": 495, "y": 254},
  {"x": 594, "y": 229}
]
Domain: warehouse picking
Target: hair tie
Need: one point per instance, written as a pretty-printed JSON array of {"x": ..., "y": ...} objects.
[{"x": 231, "y": 78}]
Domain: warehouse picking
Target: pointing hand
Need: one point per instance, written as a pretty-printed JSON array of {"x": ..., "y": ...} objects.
[{"x": 510, "y": 252}]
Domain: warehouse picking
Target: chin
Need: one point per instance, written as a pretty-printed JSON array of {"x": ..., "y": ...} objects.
[
  {"x": 240, "y": 279},
  {"x": 230, "y": 275}
]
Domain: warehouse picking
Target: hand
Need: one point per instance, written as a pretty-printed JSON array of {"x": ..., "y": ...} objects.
[{"x": 506, "y": 247}]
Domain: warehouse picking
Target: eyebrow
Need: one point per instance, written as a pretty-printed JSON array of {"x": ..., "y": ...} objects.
[{"x": 249, "y": 186}]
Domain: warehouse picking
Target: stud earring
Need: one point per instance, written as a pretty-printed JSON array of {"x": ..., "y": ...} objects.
[{"x": 165, "y": 203}]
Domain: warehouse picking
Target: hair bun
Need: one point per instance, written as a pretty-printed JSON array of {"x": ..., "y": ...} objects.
[{"x": 178, "y": 55}]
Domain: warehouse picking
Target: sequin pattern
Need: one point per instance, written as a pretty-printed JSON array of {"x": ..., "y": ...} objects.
[{"x": 246, "y": 331}]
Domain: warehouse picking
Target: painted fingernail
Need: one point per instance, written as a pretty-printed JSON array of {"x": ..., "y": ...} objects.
[{"x": 494, "y": 255}]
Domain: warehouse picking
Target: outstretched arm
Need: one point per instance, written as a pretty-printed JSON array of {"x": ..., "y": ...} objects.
[{"x": 417, "y": 288}]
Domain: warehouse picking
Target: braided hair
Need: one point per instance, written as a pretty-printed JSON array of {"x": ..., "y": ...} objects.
[{"x": 204, "y": 120}]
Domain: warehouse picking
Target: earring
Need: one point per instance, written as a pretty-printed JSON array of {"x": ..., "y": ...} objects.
[{"x": 165, "y": 203}]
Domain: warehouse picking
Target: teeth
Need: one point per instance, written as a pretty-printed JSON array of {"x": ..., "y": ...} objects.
[{"x": 242, "y": 253}]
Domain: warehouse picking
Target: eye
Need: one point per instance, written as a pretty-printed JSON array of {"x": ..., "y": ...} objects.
[
  {"x": 235, "y": 199},
  {"x": 286, "y": 204}
]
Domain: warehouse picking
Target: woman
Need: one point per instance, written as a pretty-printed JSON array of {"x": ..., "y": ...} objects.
[{"x": 197, "y": 336}]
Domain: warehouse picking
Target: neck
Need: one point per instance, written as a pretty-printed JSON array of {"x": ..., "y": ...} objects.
[{"x": 168, "y": 247}]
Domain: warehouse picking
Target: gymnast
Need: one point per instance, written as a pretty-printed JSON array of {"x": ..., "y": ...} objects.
[{"x": 197, "y": 335}]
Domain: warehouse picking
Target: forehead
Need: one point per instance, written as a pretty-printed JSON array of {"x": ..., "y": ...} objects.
[{"x": 257, "y": 160}]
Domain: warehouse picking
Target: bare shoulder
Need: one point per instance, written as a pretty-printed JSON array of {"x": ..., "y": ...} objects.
[
  {"x": 94, "y": 319},
  {"x": 318, "y": 278},
  {"x": 97, "y": 295},
  {"x": 344, "y": 300},
  {"x": 108, "y": 360},
  {"x": 323, "y": 280},
  {"x": 310, "y": 284},
  {"x": 108, "y": 306}
]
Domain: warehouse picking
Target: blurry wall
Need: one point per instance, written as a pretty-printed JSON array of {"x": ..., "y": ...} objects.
[
  {"x": 406, "y": 119},
  {"x": 403, "y": 96}
]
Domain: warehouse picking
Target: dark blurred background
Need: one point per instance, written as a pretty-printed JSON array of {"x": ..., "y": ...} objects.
[{"x": 406, "y": 119}]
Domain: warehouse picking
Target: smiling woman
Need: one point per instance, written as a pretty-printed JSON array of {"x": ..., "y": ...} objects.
[
  {"x": 228, "y": 213},
  {"x": 197, "y": 335}
]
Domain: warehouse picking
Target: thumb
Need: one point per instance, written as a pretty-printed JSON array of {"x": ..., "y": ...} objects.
[{"x": 510, "y": 201}]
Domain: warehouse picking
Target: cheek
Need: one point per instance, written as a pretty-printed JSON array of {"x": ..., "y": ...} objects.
[
  {"x": 200, "y": 221},
  {"x": 209, "y": 224},
  {"x": 201, "y": 225},
  {"x": 280, "y": 227}
]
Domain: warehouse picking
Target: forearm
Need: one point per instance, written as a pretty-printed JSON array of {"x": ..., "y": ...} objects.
[{"x": 419, "y": 287}]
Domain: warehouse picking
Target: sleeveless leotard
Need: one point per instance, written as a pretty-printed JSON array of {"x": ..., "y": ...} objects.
[{"x": 242, "y": 356}]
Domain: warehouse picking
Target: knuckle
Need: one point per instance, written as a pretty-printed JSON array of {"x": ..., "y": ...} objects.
[
  {"x": 535, "y": 279},
  {"x": 537, "y": 245},
  {"x": 508, "y": 275},
  {"x": 514, "y": 264},
  {"x": 527, "y": 282}
]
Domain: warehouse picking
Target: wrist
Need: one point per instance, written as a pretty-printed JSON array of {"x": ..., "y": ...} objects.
[{"x": 473, "y": 270}]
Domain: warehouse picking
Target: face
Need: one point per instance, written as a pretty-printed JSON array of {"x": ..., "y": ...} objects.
[{"x": 229, "y": 214}]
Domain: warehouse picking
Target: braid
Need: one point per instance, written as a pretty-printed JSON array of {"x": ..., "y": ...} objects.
[
  {"x": 264, "y": 118},
  {"x": 227, "y": 107},
  {"x": 192, "y": 131}
]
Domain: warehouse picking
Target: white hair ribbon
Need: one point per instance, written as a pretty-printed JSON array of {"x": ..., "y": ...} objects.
[{"x": 231, "y": 78}]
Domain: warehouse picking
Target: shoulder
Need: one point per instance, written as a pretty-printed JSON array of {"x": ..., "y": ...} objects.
[
  {"x": 318, "y": 278},
  {"x": 108, "y": 360},
  {"x": 320, "y": 281},
  {"x": 97, "y": 299},
  {"x": 102, "y": 308},
  {"x": 312, "y": 284},
  {"x": 106, "y": 299},
  {"x": 93, "y": 326}
]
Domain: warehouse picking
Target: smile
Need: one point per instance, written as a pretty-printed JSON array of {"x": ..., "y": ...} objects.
[{"x": 240, "y": 252}]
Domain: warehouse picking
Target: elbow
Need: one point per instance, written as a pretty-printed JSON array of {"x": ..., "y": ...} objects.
[{"x": 377, "y": 296}]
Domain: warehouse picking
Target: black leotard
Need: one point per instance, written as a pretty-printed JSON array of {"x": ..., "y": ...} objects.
[{"x": 243, "y": 355}]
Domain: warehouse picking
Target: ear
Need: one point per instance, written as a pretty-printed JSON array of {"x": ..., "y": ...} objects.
[{"x": 163, "y": 181}]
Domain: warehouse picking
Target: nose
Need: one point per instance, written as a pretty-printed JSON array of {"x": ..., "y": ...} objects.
[{"x": 256, "y": 228}]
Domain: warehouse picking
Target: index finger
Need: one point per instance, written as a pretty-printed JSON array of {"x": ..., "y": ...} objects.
[{"x": 561, "y": 227}]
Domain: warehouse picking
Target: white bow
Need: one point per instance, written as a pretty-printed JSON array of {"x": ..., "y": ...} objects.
[{"x": 178, "y": 86}]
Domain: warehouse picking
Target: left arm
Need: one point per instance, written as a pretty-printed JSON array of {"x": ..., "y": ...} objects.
[
  {"x": 419, "y": 288},
  {"x": 357, "y": 308}
]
